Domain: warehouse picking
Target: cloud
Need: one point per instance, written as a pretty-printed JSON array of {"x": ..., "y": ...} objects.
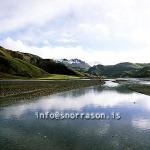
[
  {"x": 100, "y": 31},
  {"x": 92, "y": 57},
  {"x": 30, "y": 12}
]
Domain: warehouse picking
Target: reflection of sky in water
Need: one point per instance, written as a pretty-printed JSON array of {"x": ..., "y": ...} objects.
[
  {"x": 104, "y": 99},
  {"x": 111, "y": 84},
  {"x": 134, "y": 80},
  {"x": 145, "y": 82},
  {"x": 79, "y": 99},
  {"x": 19, "y": 121},
  {"x": 141, "y": 123}
]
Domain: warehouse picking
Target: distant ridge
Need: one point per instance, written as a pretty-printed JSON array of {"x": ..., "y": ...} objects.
[
  {"x": 124, "y": 69},
  {"x": 15, "y": 63},
  {"x": 76, "y": 64}
]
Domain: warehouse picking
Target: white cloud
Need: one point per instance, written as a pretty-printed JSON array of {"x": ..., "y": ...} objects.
[
  {"x": 22, "y": 13},
  {"x": 59, "y": 52},
  {"x": 109, "y": 31}
]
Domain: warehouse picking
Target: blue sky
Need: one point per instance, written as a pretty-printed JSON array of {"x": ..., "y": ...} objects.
[{"x": 96, "y": 31}]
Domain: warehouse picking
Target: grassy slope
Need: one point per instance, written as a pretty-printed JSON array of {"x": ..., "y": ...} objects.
[
  {"x": 58, "y": 76},
  {"x": 23, "y": 65},
  {"x": 122, "y": 70},
  {"x": 16, "y": 67}
]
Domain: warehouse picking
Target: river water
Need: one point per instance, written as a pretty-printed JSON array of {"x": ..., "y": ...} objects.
[{"x": 20, "y": 129}]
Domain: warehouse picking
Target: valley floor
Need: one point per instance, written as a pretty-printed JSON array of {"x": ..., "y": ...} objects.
[{"x": 4, "y": 76}]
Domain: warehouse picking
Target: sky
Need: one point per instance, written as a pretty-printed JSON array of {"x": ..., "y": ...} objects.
[{"x": 96, "y": 31}]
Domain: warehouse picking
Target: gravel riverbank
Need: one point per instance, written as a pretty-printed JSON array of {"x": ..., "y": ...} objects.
[{"x": 19, "y": 90}]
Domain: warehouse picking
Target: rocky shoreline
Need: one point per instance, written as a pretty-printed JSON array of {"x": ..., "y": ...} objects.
[
  {"x": 140, "y": 88},
  {"x": 23, "y": 90},
  {"x": 136, "y": 86}
]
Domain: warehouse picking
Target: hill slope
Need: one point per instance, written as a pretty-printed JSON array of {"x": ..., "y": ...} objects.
[
  {"x": 125, "y": 69},
  {"x": 18, "y": 67},
  {"x": 29, "y": 65},
  {"x": 141, "y": 73}
]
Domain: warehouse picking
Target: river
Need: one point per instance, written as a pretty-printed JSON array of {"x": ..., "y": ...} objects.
[{"x": 20, "y": 129}]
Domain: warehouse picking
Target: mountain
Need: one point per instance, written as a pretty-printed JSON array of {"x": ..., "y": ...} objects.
[
  {"x": 29, "y": 65},
  {"x": 144, "y": 72},
  {"x": 14, "y": 63},
  {"x": 141, "y": 73},
  {"x": 11, "y": 65},
  {"x": 125, "y": 69},
  {"x": 76, "y": 64}
]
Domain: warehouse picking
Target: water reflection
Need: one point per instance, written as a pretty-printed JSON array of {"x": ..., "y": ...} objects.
[
  {"x": 141, "y": 123},
  {"x": 111, "y": 84},
  {"x": 136, "y": 80},
  {"x": 18, "y": 121},
  {"x": 79, "y": 100}
]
